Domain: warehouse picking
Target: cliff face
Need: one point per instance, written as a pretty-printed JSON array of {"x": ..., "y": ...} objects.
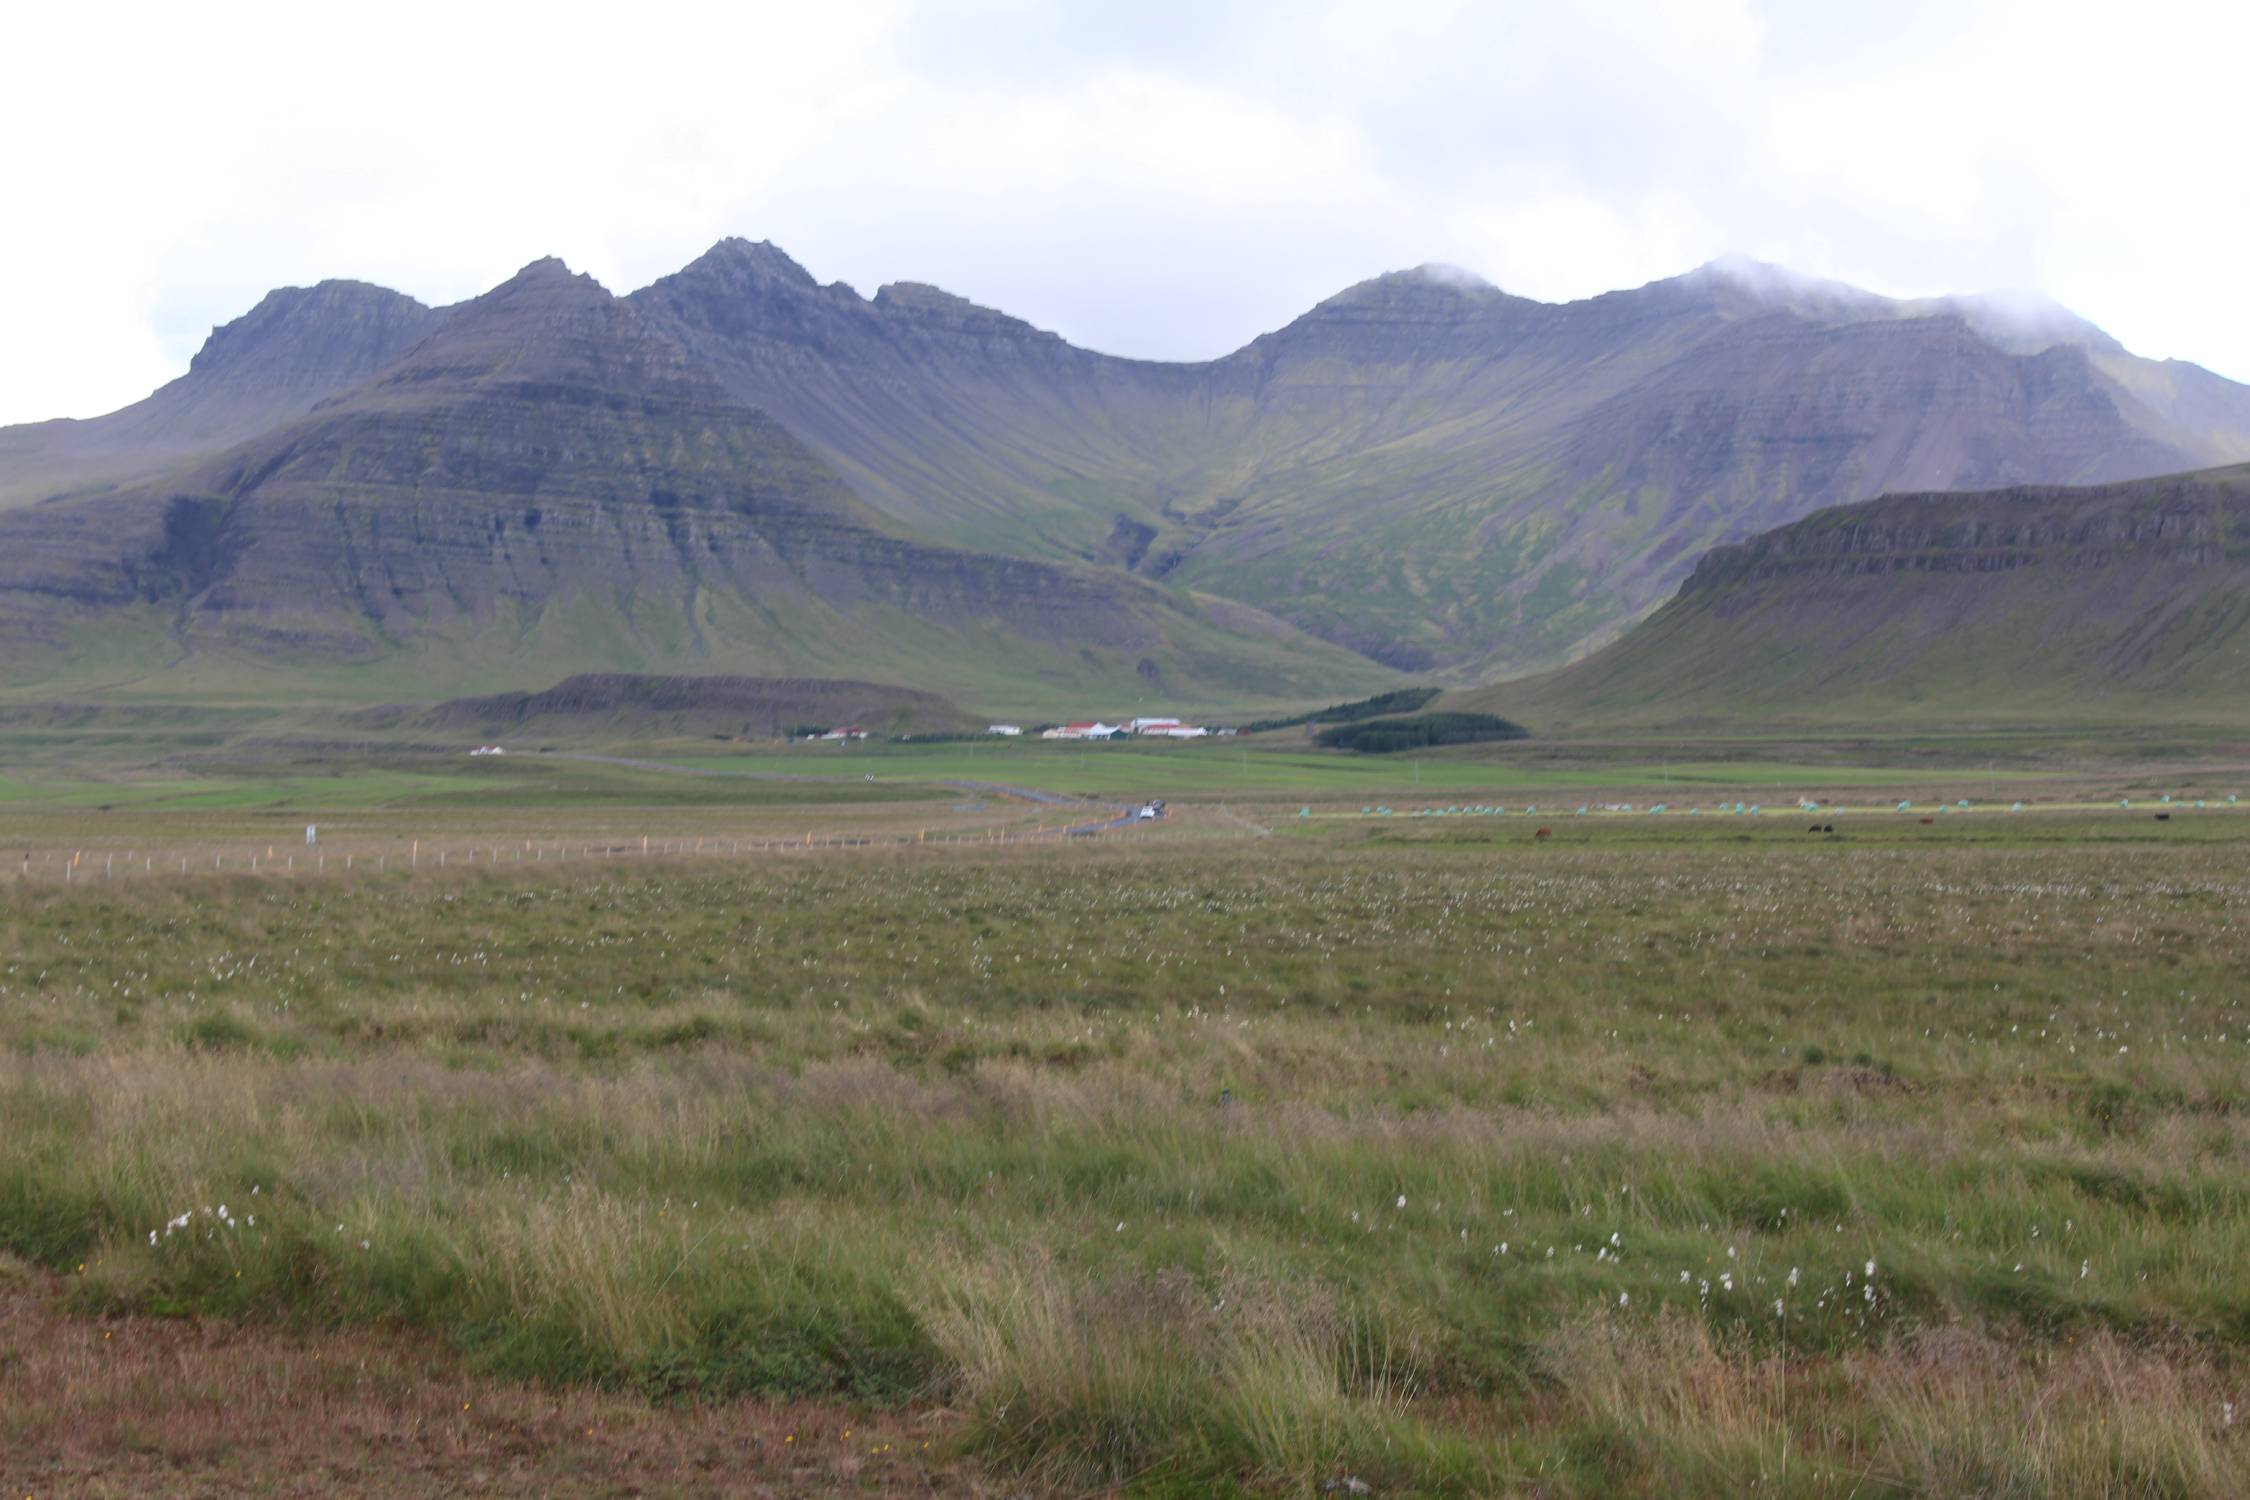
[
  {"x": 549, "y": 476},
  {"x": 2186, "y": 522},
  {"x": 2062, "y": 605}
]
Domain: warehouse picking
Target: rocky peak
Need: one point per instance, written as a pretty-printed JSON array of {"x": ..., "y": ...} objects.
[
  {"x": 551, "y": 328},
  {"x": 348, "y": 327},
  {"x": 739, "y": 269},
  {"x": 935, "y": 309},
  {"x": 752, "y": 260}
]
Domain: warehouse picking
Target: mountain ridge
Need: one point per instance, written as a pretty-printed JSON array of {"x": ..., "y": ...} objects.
[
  {"x": 1423, "y": 470},
  {"x": 297, "y": 347},
  {"x": 1426, "y": 468},
  {"x": 548, "y": 479}
]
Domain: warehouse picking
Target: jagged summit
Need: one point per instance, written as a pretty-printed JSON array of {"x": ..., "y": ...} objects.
[
  {"x": 739, "y": 277},
  {"x": 547, "y": 270},
  {"x": 736, "y": 256},
  {"x": 549, "y": 327}
]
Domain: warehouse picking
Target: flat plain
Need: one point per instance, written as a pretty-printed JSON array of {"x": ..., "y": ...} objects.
[{"x": 881, "y": 1136}]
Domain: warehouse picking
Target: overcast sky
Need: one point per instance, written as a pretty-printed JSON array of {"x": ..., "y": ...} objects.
[{"x": 1154, "y": 178}]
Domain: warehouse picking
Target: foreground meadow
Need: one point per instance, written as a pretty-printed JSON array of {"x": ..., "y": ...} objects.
[{"x": 1451, "y": 1164}]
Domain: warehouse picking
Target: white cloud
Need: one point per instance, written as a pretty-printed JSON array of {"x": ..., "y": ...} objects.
[{"x": 1164, "y": 179}]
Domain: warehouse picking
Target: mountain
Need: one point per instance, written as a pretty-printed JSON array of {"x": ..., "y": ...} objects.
[
  {"x": 1423, "y": 472},
  {"x": 1424, "y": 468},
  {"x": 547, "y": 482},
  {"x": 2126, "y": 602},
  {"x": 297, "y": 347}
]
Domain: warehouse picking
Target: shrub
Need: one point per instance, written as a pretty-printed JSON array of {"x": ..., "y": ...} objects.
[
  {"x": 1398, "y": 701},
  {"x": 1386, "y": 736}
]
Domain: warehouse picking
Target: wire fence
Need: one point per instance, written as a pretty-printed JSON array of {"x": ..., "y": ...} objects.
[{"x": 348, "y": 855}]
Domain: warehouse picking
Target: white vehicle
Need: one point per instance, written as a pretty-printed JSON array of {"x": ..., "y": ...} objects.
[{"x": 1148, "y": 813}]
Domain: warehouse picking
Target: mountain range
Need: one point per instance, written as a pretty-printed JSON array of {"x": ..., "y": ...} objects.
[
  {"x": 1425, "y": 469},
  {"x": 740, "y": 469},
  {"x": 547, "y": 483}
]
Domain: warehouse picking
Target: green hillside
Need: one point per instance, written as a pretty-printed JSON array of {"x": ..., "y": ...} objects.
[
  {"x": 2111, "y": 604},
  {"x": 1423, "y": 468},
  {"x": 549, "y": 485}
]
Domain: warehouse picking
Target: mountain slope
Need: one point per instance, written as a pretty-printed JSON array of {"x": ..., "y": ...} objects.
[
  {"x": 1424, "y": 468},
  {"x": 2127, "y": 601},
  {"x": 297, "y": 347},
  {"x": 545, "y": 484}
]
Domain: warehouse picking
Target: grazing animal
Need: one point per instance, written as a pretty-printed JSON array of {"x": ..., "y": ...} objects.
[
  {"x": 1926, "y": 822},
  {"x": 1543, "y": 835},
  {"x": 1830, "y": 828}
]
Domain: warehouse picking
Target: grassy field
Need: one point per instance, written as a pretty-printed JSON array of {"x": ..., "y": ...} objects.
[
  {"x": 1667, "y": 1157},
  {"x": 1218, "y": 768}
]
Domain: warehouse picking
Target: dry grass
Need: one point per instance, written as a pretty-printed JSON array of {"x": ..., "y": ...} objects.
[
  {"x": 1463, "y": 1169},
  {"x": 1939, "y": 1411},
  {"x": 137, "y": 1406}
]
